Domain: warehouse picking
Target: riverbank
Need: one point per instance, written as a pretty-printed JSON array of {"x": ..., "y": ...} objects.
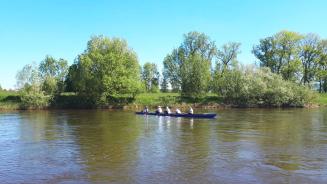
[{"x": 10, "y": 100}]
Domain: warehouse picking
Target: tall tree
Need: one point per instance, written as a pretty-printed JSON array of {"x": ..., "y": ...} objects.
[
  {"x": 164, "y": 83},
  {"x": 309, "y": 55},
  {"x": 266, "y": 52},
  {"x": 108, "y": 67},
  {"x": 70, "y": 84},
  {"x": 29, "y": 82},
  {"x": 150, "y": 77},
  {"x": 62, "y": 74},
  {"x": 48, "y": 67},
  {"x": 172, "y": 63},
  {"x": 195, "y": 76},
  {"x": 280, "y": 53},
  {"x": 197, "y": 50},
  {"x": 53, "y": 73},
  {"x": 28, "y": 76},
  {"x": 227, "y": 54},
  {"x": 226, "y": 57},
  {"x": 322, "y": 66}
]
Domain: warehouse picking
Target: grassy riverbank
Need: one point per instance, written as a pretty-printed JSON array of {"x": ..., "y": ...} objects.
[
  {"x": 155, "y": 99},
  {"x": 10, "y": 100},
  {"x": 321, "y": 99}
]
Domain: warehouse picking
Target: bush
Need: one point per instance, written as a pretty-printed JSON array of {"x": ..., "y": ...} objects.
[
  {"x": 33, "y": 98},
  {"x": 259, "y": 86}
]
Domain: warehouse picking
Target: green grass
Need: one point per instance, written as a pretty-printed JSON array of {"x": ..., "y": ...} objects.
[
  {"x": 154, "y": 99},
  {"x": 9, "y": 100},
  {"x": 321, "y": 99}
]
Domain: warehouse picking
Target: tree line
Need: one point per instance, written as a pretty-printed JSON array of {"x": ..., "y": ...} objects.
[
  {"x": 297, "y": 57},
  {"x": 108, "y": 69}
]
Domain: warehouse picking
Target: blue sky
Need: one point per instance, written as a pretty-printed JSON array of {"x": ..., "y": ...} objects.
[{"x": 32, "y": 29}]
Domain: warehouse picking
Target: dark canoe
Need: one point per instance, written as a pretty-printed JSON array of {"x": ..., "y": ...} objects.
[{"x": 206, "y": 115}]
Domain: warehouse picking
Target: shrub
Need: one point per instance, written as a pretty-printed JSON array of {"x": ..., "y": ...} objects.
[
  {"x": 33, "y": 98},
  {"x": 259, "y": 86}
]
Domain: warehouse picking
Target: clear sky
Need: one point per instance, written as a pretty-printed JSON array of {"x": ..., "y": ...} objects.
[{"x": 32, "y": 29}]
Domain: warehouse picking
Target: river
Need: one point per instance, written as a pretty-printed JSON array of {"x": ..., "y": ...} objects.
[{"x": 101, "y": 146}]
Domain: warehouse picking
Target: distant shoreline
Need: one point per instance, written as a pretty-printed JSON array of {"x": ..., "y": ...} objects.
[
  {"x": 183, "y": 107},
  {"x": 11, "y": 101}
]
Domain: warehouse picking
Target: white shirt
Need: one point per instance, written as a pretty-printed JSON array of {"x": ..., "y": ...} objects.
[
  {"x": 159, "y": 110},
  {"x": 178, "y": 111},
  {"x": 168, "y": 110},
  {"x": 190, "y": 111}
]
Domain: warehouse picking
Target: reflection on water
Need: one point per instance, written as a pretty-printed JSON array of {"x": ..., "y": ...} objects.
[{"x": 240, "y": 146}]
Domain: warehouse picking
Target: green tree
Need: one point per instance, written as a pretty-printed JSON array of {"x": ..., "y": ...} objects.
[
  {"x": 280, "y": 53},
  {"x": 309, "y": 55},
  {"x": 70, "y": 84},
  {"x": 28, "y": 76},
  {"x": 53, "y": 73},
  {"x": 150, "y": 77},
  {"x": 48, "y": 67},
  {"x": 322, "y": 66},
  {"x": 164, "y": 84},
  {"x": 197, "y": 50},
  {"x": 172, "y": 63},
  {"x": 195, "y": 76},
  {"x": 62, "y": 73},
  {"x": 29, "y": 83},
  {"x": 227, "y": 55},
  {"x": 107, "y": 68}
]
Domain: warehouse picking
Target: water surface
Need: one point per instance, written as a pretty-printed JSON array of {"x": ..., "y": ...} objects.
[{"x": 100, "y": 146}]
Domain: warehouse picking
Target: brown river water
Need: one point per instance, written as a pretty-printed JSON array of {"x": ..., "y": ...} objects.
[{"x": 101, "y": 146}]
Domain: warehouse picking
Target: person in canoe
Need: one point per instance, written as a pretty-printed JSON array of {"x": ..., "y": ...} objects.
[
  {"x": 167, "y": 110},
  {"x": 190, "y": 111},
  {"x": 145, "y": 110},
  {"x": 177, "y": 111},
  {"x": 159, "y": 110}
]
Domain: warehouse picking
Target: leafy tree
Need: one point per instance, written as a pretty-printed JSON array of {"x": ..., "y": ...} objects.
[
  {"x": 266, "y": 52},
  {"x": 164, "y": 83},
  {"x": 28, "y": 76},
  {"x": 172, "y": 63},
  {"x": 107, "y": 68},
  {"x": 50, "y": 86},
  {"x": 70, "y": 84},
  {"x": 227, "y": 54},
  {"x": 53, "y": 73},
  {"x": 62, "y": 73},
  {"x": 309, "y": 55},
  {"x": 197, "y": 50},
  {"x": 322, "y": 66},
  {"x": 150, "y": 77},
  {"x": 48, "y": 67},
  {"x": 280, "y": 54},
  {"x": 29, "y": 82},
  {"x": 195, "y": 76}
]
